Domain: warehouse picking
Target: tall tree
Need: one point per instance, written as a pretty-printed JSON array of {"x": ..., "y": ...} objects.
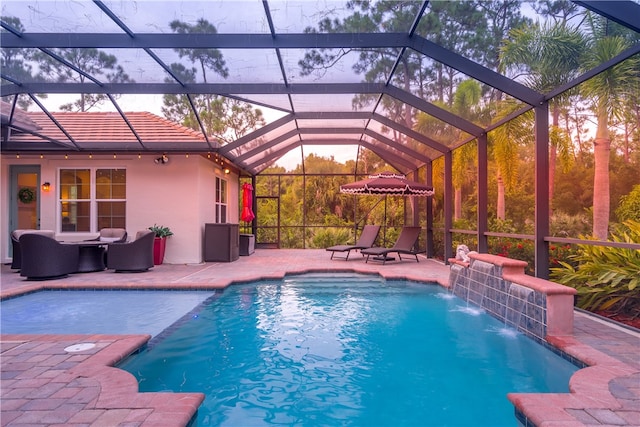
[
  {"x": 454, "y": 25},
  {"x": 93, "y": 62},
  {"x": 466, "y": 104},
  {"x": 548, "y": 56},
  {"x": 501, "y": 17},
  {"x": 15, "y": 63},
  {"x": 505, "y": 142},
  {"x": 607, "y": 92},
  {"x": 223, "y": 118},
  {"x": 374, "y": 64}
]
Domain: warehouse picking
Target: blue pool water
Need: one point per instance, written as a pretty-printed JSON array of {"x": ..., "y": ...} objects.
[
  {"x": 350, "y": 351},
  {"x": 101, "y": 312}
]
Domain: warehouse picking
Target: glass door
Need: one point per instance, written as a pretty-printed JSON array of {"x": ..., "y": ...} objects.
[{"x": 24, "y": 198}]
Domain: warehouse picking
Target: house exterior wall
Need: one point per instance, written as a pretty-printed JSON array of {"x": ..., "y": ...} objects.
[{"x": 179, "y": 195}]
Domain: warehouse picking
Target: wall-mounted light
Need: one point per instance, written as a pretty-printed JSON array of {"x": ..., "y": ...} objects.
[
  {"x": 46, "y": 186},
  {"x": 227, "y": 171},
  {"x": 164, "y": 159}
]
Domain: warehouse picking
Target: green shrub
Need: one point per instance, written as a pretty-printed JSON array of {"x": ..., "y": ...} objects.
[
  {"x": 606, "y": 278},
  {"x": 566, "y": 225},
  {"x": 629, "y": 207},
  {"x": 326, "y": 237}
]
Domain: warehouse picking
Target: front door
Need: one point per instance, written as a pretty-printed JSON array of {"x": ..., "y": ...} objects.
[{"x": 24, "y": 198}]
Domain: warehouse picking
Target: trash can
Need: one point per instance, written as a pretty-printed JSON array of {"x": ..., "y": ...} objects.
[{"x": 247, "y": 244}]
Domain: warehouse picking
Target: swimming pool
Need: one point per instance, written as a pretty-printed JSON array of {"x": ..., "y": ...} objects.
[
  {"x": 97, "y": 311},
  {"x": 347, "y": 350}
]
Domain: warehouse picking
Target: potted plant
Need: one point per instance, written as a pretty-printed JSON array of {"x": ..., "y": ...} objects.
[{"x": 160, "y": 242}]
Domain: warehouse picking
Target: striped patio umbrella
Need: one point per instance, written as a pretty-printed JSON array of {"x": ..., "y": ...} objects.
[{"x": 387, "y": 183}]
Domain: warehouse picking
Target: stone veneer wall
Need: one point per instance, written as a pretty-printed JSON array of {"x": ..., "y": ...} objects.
[{"x": 537, "y": 307}]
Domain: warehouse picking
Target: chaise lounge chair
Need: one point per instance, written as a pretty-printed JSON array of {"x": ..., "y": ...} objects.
[
  {"x": 404, "y": 245},
  {"x": 366, "y": 240}
]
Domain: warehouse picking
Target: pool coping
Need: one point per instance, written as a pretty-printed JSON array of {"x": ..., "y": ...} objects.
[{"x": 607, "y": 392}]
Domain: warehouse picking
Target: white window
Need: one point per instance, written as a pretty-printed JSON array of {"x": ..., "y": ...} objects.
[
  {"x": 92, "y": 199},
  {"x": 221, "y": 200}
]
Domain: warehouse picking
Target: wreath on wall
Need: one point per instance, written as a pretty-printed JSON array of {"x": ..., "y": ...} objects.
[{"x": 26, "y": 195}]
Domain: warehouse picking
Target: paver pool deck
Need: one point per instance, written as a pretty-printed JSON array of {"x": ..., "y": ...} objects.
[{"x": 41, "y": 384}]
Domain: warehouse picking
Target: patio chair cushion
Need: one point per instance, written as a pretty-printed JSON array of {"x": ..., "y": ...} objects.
[
  {"x": 110, "y": 235},
  {"x": 110, "y": 239}
]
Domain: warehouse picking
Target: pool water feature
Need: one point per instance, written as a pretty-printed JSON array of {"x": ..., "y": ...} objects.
[
  {"x": 348, "y": 350},
  {"x": 97, "y": 312}
]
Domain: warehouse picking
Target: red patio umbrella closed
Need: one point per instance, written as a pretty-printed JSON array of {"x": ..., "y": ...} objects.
[{"x": 247, "y": 214}]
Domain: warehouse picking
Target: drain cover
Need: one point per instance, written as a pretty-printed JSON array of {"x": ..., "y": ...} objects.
[{"x": 80, "y": 347}]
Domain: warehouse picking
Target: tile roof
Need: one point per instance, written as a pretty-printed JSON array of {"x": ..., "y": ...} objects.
[
  {"x": 20, "y": 117},
  {"x": 105, "y": 127}
]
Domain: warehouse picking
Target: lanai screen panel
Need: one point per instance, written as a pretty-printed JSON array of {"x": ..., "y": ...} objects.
[
  {"x": 271, "y": 140},
  {"x": 402, "y": 155},
  {"x": 288, "y": 161},
  {"x": 236, "y": 66},
  {"x": 298, "y": 16},
  {"x": 272, "y": 77},
  {"x": 340, "y": 153},
  {"x": 300, "y": 69},
  {"x": 427, "y": 125},
  {"x": 334, "y": 102},
  {"x": 419, "y": 146},
  {"x": 241, "y": 16},
  {"x": 289, "y": 152},
  {"x": 60, "y": 16}
]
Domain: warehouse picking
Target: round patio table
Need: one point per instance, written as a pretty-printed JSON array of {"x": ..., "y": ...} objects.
[{"x": 91, "y": 255}]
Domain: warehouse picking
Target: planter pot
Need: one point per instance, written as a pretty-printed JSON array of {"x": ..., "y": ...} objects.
[{"x": 159, "y": 245}]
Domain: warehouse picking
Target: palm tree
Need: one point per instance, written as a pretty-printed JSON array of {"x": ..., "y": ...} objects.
[
  {"x": 549, "y": 57},
  {"x": 504, "y": 142},
  {"x": 465, "y": 101},
  {"x": 465, "y": 104},
  {"x": 607, "y": 93}
]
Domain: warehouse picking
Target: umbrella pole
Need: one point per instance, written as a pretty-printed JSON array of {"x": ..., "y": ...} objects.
[{"x": 384, "y": 235}]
